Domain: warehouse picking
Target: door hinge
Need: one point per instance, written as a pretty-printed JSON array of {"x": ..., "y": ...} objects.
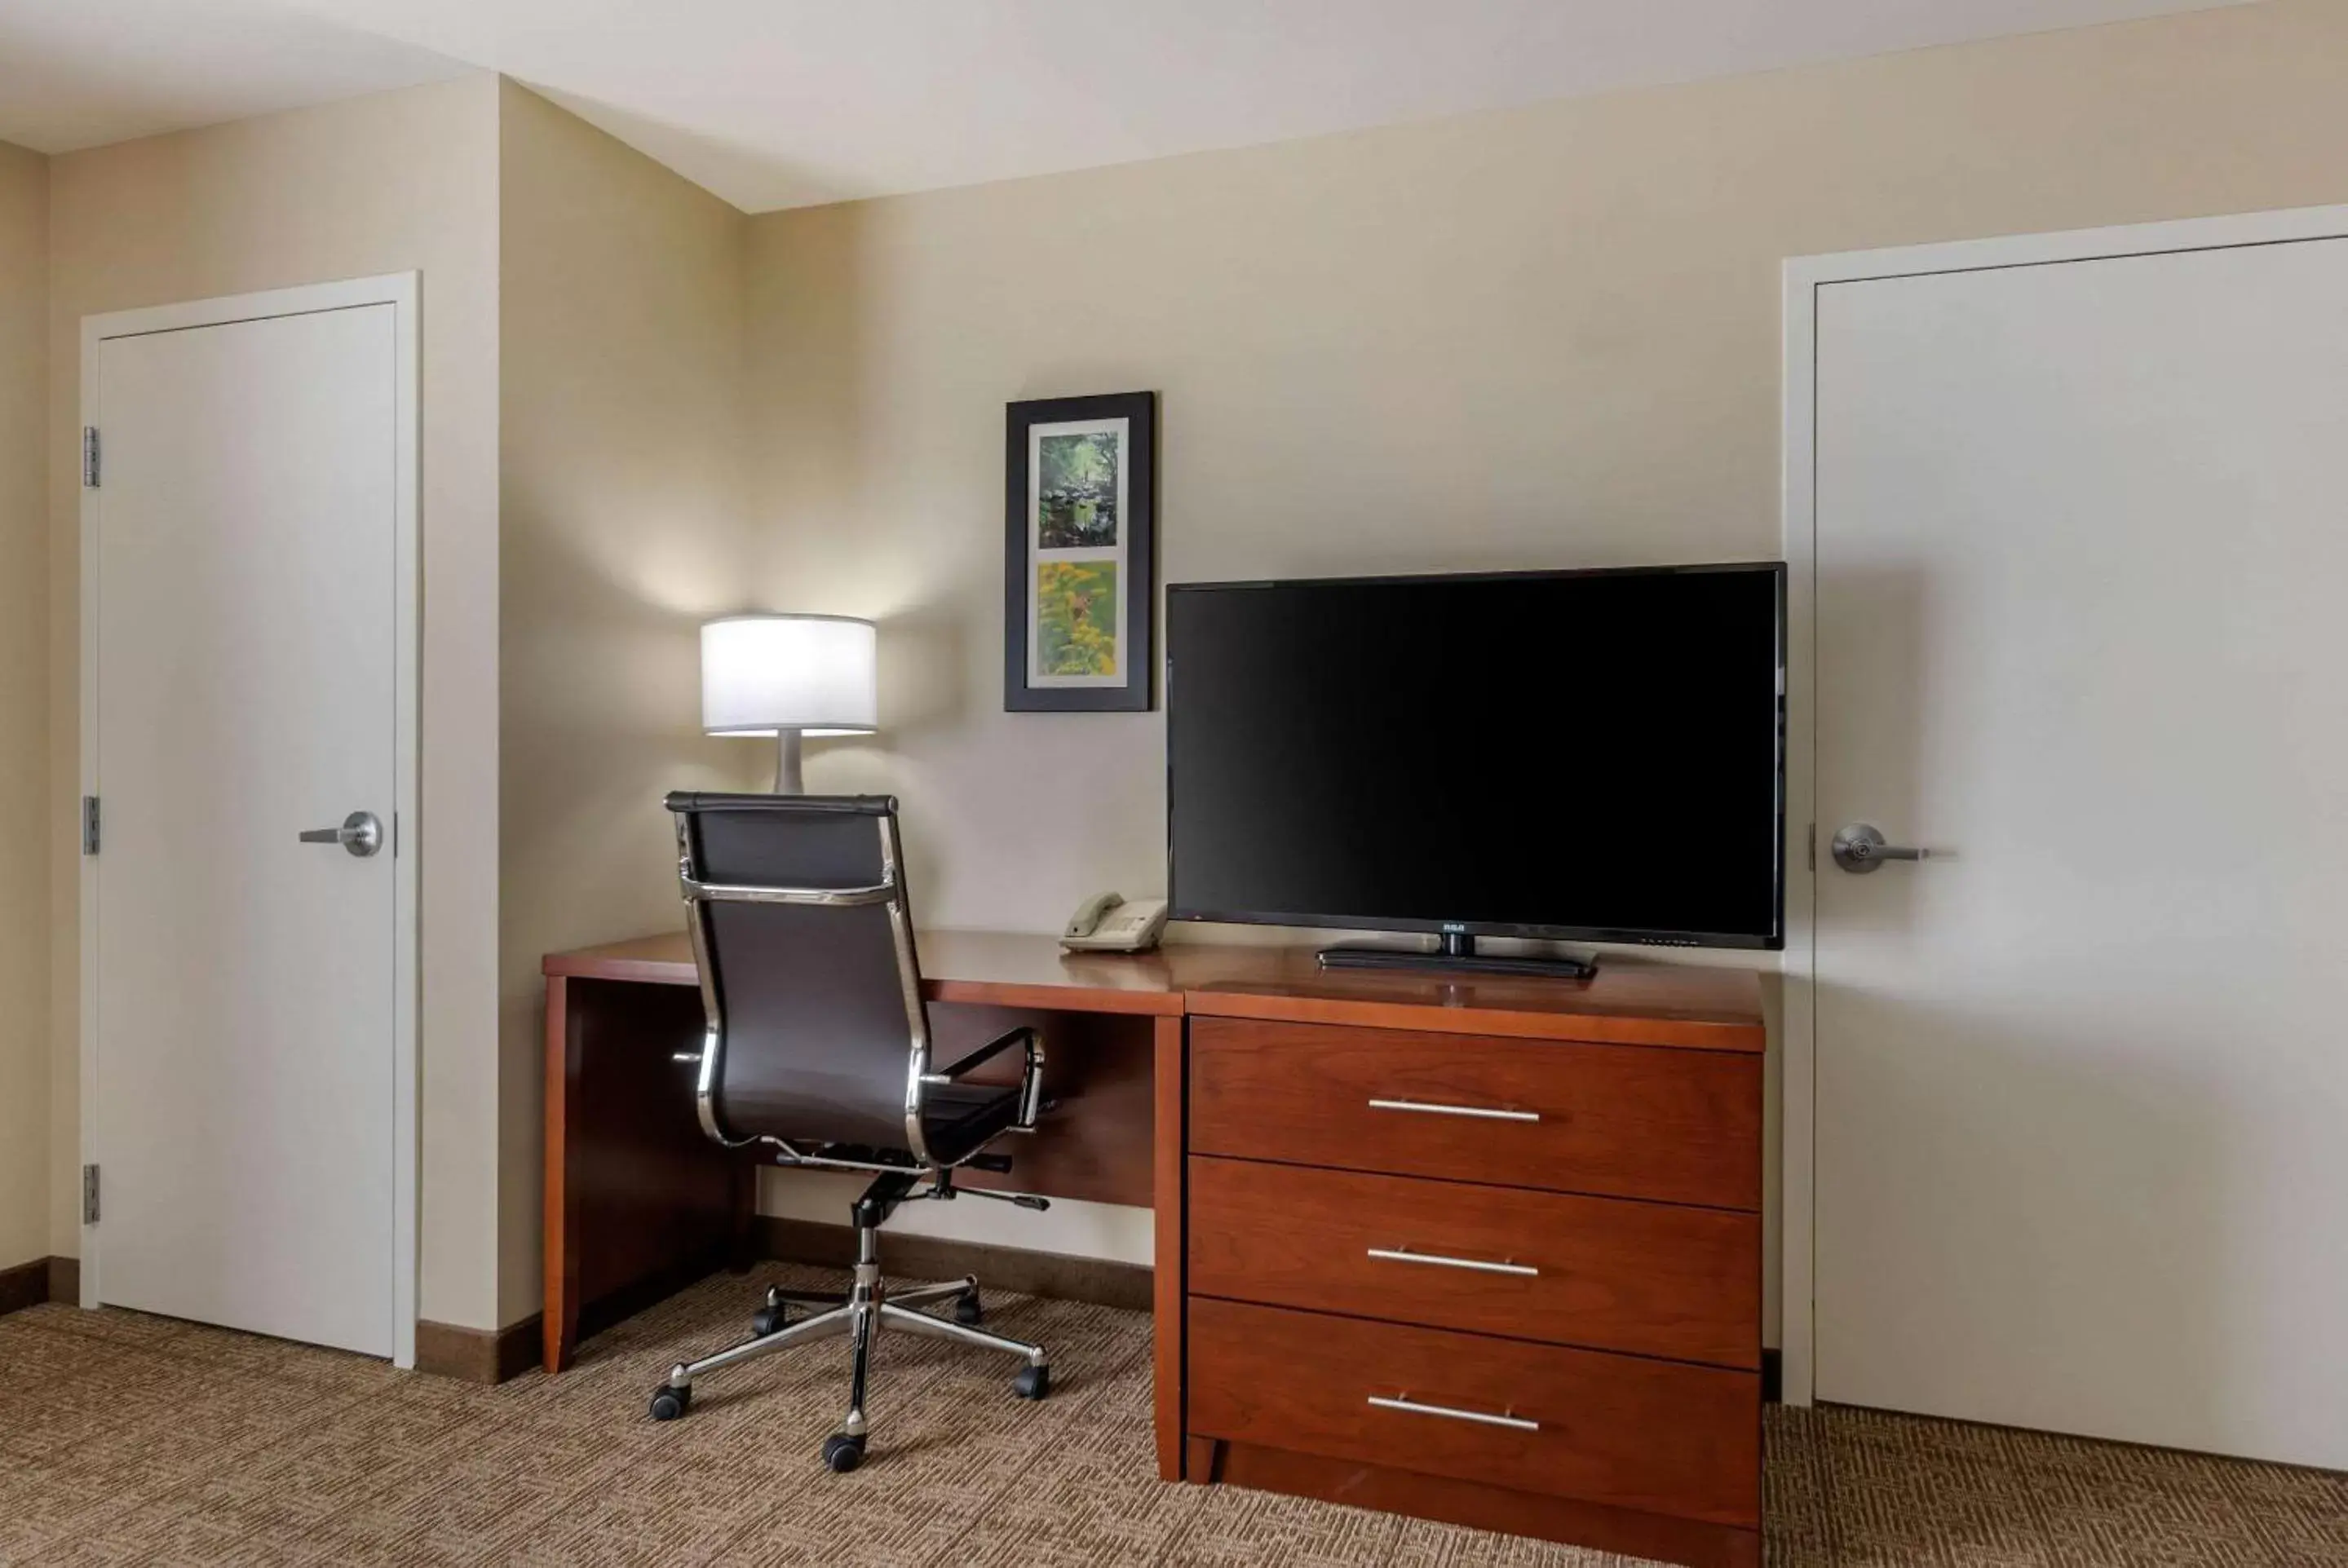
[
  {"x": 88, "y": 456},
  {"x": 1813, "y": 851},
  {"x": 89, "y": 825},
  {"x": 89, "y": 1195}
]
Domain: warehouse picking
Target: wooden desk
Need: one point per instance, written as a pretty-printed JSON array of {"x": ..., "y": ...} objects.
[
  {"x": 1649, "y": 1136},
  {"x": 639, "y": 1201},
  {"x": 1632, "y": 1001}
]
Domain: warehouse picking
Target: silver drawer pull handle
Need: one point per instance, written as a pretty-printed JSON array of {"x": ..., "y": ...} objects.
[
  {"x": 1485, "y": 1112},
  {"x": 1514, "y": 1423},
  {"x": 1401, "y": 1254},
  {"x": 691, "y": 1056}
]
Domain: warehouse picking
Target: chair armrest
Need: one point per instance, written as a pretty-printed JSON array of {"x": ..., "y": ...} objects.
[
  {"x": 987, "y": 1052},
  {"x": 1030, "y": 1087}
]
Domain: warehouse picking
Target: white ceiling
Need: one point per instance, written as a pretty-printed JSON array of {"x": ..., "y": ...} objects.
[
  {"x": 786, "y": 103},
  {"x": 82, "y": 73}
]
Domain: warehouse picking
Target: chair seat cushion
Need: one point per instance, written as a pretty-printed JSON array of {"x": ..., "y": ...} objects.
[{"x": 958, "y": 1118}]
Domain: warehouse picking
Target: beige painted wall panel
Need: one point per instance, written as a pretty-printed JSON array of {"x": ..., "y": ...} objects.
[
  {"x": 622, "y": 358},
  {"x": 1538, "y": 338},
  {"x": 395, "y": 181},
  {"x": 1541, "y": 337},
  {"x": 24, "y": 708}
]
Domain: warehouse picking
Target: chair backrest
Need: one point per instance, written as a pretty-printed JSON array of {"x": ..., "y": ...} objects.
[{"x": 818, "y": 1032}]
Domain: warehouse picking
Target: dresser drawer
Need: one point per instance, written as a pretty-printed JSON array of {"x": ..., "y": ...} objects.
[
  {"x": 1650, "y": 1278},
  {"x": 1641, "y": 1122},
  {"x": 1653, "y": 1436}
]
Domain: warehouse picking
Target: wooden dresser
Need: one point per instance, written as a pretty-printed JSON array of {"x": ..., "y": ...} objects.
[{"x": 1485, "y": 1252}]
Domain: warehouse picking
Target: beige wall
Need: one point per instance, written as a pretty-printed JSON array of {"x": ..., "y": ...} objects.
[
  {"x": 1545, "y": 337},
  {"x": 622, "y": 358},
  {"x": 1540, "y": 337},
  {"x": 398, "y": 182},
  {"x": 23, "y": 709}
]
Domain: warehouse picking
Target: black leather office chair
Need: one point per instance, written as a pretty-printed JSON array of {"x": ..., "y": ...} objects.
[{"x": 818, "y": 1050}]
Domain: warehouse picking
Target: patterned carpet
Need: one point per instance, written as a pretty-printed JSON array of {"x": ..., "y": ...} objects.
[{"x": 126, "y": 1439}]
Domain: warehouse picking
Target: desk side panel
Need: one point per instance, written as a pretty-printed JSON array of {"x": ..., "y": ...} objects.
[
  {"x": 647, "y": 1202},
  {"x": 1170, "y": 1167}
]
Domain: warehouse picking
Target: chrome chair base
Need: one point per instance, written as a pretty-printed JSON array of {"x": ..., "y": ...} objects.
[{"x": 860, "y": 1317}]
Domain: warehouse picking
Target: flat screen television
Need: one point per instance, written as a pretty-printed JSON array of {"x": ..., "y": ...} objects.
[{"x": 1572, "y": 755}]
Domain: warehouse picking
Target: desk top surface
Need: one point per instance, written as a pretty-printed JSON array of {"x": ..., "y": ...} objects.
[{"x": 1630, "y": 1001}]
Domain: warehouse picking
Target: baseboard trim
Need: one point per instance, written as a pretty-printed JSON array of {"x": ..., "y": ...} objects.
[
  {"x": 474, "y": 1355},
  {"x": 24, "y": 1284},
  {"x": 477, "y": 1354},
  {"x": 1099, "y": 1281}
]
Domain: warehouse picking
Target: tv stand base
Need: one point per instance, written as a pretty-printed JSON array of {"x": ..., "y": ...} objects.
[{"x": 1456, "y": 953}]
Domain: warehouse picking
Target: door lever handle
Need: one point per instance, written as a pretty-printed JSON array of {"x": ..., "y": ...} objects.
[
  {"x": 361, "y": 833},
  {"x": 1860, "y": 847}
]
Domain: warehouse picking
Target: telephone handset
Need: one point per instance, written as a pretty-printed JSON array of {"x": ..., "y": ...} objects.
[{"x": 1107, "y": 923}]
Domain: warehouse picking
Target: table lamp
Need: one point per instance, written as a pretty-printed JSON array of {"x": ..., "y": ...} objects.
[{"x": 790, "y": 676}]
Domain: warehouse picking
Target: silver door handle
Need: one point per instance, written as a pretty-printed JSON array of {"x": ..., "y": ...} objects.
[
  {"x": 1485, "y": 1112},
  {"x": 1860, "y": 847},
  {"x": 1449, "y": 1412},
  {"x": 361, "y": 833},
  {"x": 1404, "y": 1254}
]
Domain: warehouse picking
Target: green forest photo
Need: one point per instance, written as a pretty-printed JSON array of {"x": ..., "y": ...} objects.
[
  {"x": 1075, "y": 618},
  {"x": 1077, "y": 490}
]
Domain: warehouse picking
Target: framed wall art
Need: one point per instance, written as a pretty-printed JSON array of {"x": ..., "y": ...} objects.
[{"x": 1080, "y": 576}]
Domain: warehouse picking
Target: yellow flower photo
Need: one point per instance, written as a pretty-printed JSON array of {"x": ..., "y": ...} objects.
[{"x": 1075, "y": 618}]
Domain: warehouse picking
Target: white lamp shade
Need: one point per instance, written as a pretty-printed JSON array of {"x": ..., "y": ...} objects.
[{"x": 815, "y": 674}]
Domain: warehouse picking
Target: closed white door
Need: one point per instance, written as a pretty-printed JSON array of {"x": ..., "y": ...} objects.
[
  {"x": 243, "y": 551},
  {"x": 2082, "y": 1076}
]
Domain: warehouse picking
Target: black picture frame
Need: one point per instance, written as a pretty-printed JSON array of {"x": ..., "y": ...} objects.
[{"x": 1132, "y": 554}]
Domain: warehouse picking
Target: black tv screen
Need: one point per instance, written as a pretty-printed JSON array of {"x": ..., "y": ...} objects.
[{"x": 1595, "y": 755}]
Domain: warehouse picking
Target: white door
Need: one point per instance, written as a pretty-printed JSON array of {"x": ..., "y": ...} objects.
[
  {"x": 2082, "y": 1076},
  {"x": 243, "y": 549}
]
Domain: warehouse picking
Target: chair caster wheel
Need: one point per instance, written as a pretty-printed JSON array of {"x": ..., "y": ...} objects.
[
  {"x": 842, "y": 1453},
  {"x": 968, "y": 1311},
  {"x": 1033, "y": 1383},
  {"x": 769, "y": 1319},
  {"x": 670, "y": 1403}
]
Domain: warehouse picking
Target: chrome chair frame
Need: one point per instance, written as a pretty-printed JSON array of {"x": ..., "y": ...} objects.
[{"x": 870, "y": 1304}]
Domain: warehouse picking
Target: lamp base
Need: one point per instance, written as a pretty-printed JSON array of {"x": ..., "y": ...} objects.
[{"x": 789, "y": 778}]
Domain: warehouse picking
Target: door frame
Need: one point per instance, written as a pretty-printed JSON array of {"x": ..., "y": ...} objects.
[
  {"x": 1804, "y": 276},
  {"x": 400, "y": 291}
]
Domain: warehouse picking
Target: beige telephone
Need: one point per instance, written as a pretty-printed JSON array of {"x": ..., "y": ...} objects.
[{"x": 1106, "y": 923}]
